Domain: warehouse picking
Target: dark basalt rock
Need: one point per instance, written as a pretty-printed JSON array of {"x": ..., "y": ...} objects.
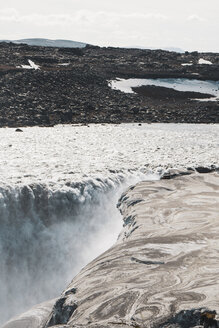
[
  {"x": 173, "y": 173},
  {"x": 134, "y": 259},
  {"x": 166, "y": 93},
  {"x": 202, "y": 169},
  {"x": 78, "y": 92},
  {"x": 61, "y": 312},
  {"x": 189, "y": 318},
  {"x": 71, "y": 291}
]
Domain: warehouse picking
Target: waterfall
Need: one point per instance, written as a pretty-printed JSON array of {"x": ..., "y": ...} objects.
[{"x": 49, "y": 232}]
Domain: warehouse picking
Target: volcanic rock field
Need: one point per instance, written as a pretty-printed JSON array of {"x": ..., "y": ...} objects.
[{"x": 71, "y": 85}]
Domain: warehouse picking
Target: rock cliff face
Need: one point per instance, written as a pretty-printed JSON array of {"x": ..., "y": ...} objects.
[
  {"x": 71, "y": 85},
  {"x": 163, "y": 270}
]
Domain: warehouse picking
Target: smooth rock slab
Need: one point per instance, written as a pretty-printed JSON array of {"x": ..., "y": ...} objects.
[{"x": 174, "y": 236}]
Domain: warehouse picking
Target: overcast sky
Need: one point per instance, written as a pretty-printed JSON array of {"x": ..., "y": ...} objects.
[{"x": 188, "y": 24}]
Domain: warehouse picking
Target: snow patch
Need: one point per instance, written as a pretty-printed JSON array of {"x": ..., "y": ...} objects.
[
  {"x": 31, "y": 65},
  {"x": 187, "y": 64},
  {"x": 203, "y": 61},
  {"x": 64, "y": 64}
]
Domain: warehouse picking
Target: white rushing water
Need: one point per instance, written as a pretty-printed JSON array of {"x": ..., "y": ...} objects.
[
  {"x": 209, "y": 87},
  {"x": 58, "y": 192}
]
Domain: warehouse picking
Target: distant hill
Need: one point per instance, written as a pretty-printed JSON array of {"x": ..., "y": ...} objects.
[
  {"x": 49, "y": 43},
  {"x": 174, "y": 49}
]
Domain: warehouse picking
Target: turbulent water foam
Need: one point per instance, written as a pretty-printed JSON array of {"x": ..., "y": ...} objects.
[
  {"x": 58, "y": 193},
  {"x": 71, "y": 153}
]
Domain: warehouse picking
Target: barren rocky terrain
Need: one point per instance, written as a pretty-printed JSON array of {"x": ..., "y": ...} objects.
[{"x": 71, "y": 86}]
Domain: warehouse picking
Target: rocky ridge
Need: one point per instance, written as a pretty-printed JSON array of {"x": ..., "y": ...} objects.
[{"x": 71, "y": 86}]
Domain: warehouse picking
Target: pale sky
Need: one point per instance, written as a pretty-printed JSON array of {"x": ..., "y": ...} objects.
[{"x": 187, "y": 24}]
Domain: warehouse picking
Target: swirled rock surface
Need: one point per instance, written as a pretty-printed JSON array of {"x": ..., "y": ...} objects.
[{"x": 162, "y": 270}]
